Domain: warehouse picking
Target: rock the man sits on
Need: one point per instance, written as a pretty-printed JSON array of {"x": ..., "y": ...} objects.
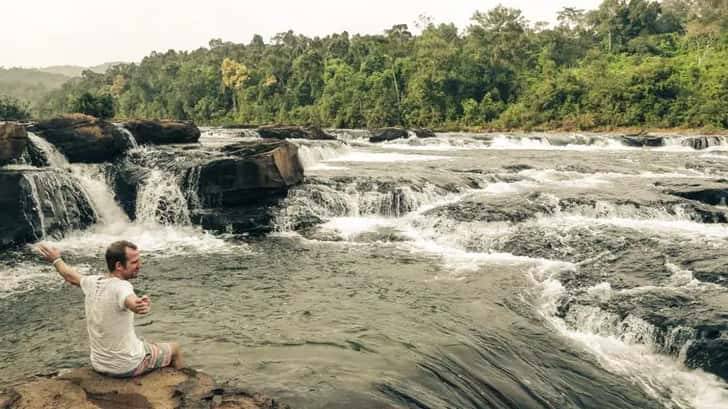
[{"x": 110, "y": 304}]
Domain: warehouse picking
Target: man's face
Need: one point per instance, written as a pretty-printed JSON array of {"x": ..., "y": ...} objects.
[{"x": 133, "y": 264}]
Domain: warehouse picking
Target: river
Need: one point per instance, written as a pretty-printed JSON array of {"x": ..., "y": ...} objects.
[{"x": 463, "y": 271}]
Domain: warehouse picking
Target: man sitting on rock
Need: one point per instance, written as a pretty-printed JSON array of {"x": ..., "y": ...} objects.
[{"x": 110, "y": 307}]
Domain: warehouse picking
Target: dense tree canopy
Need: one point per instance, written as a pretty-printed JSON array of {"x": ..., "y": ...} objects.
[
  {"x": 626, "y": 63},
  {"x": 12, "y": 109}
]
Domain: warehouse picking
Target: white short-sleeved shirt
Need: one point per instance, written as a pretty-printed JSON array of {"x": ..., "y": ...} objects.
[{"x": 115, "y": 348}]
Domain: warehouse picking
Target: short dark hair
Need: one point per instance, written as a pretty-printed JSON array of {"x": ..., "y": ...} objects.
[{"x": 117, "y": 252}]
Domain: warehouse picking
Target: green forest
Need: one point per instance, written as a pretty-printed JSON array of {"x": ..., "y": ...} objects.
[{"x": 636, "y": 63}]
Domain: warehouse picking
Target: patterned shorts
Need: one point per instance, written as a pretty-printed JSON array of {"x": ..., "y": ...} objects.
[{"x": 155, "y": 356}]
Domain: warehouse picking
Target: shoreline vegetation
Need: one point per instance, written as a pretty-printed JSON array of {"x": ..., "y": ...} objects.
[{"x": 625, "y": 66}]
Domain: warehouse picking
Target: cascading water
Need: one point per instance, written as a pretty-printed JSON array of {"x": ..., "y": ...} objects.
[
  {"x": 57, "y": 203},
  {"x": 93, "y": 179},
  {"x": 160, "y": 200},
  {"x": 130, "y": 139},
  {"x": 50, "y": 154},
  {"x": 320, "y": 201},
  {"x": 312, "y": 155}
]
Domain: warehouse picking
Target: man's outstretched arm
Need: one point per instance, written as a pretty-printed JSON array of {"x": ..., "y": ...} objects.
[
  {"x": 53, "y": 255},
  {"x": 138, "y": 305}
]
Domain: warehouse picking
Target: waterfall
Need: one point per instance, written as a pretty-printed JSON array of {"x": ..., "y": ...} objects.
[
  {"x": 35, "y": 209},
  {"x": 93, "y": 180},
  {"x": 160, "y": 200},
  {"x": 131, "y": 140},
  {"x": 57, "y": 203},
  {"x": 311, "y": 154},
  {"x": 48, "y": 152},
  {"x": 320, "y": 201},
  {"x": 191, "y": 184}
]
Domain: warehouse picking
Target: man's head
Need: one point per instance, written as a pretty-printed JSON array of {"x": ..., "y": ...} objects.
[{"x": 122, "y": 259}]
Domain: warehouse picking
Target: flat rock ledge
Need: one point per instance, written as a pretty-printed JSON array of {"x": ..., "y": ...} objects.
[{"x": 162, "y": 389}]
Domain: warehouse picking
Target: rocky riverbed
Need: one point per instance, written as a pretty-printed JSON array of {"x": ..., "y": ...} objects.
[{"x": 529, "y": 270}]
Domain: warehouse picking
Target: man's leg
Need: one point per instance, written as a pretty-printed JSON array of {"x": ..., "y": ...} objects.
[{"x": 177, "y": 358}]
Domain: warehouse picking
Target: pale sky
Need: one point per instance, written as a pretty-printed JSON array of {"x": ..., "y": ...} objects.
[{"x": 36, "y": 33}]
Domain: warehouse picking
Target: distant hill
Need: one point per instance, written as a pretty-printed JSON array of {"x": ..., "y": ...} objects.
[
  {"x": 75, "y": 70},
  {"x": 29, "y": 84},
  {"x": 33, "y": 84}
]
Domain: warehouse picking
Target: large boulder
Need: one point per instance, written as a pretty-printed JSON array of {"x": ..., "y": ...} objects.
[
  {"x": 253, "y": 219},
  {"x": 714, "y": 193},
  {"x": 424, "y": 132},
  {"x": 716, "y": 196},
  {"x": 703, "y": 142},
  {"x": 125, "y": 178},
  {"x": 251, "y": 172},
  {"x": 388, "y": 134},
  {"x": 162, "y": 132},
  {"x": 13, "y": 142},
  {"x": 83, "y": 138},
  {"x": 711, "y": 355},
  {"x": 236, "y": 192},
  {"x": 161, "y": 389},
  {"x": 294, "y": 132},
  {"x": 639, "y": 141},
  {"x": 40, "y": 202}
]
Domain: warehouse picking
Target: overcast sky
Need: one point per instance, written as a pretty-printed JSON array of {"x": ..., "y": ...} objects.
[{"x": 37, "y": 33}]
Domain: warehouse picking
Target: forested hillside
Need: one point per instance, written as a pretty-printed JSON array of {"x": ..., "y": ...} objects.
[
  {"x": 76, "y": 70},
  {"x": 28, "y": 85},
  {"x": 627, "y": 63}
]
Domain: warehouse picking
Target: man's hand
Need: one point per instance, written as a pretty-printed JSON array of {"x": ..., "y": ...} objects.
[
  {"x": 48, "y": 252},
  {"x": 52, "y": 254},
  {"x": 139, "y": 305}
]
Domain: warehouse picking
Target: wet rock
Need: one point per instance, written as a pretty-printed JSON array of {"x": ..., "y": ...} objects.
[
  {"x": 424, "y": 132},
  {"x": 39, "y": 202},
  {"x": 236, "y": 193},
  {"x": 669, "y": 318},
  {"x": 162, "y": 389},
  {"x": 710, "y": 355},
  {"x": 251, "y": 172},
  {"x": 125, "y": 178},
  {"x": 83, "y": 138},
  {"x": 294, "y": 132},
  {"x": 711, "y": 196},
  {"x": 510, "y": 208},
  {"x": 569, "y": 139},
  {"x": 643, "y": 140},
  {"x": 708, "y": 192},
  {"x": 703, "y": 142},
  {"x": 147, "y": 132},
  {"x": 13, "y": 142},
  {"x": 388, "y": 134},
  {"x": 255, "y": 219}
]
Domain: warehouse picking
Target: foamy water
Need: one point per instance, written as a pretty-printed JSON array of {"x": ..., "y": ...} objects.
[
  {"x": 661, "y": 376},
  {"x": 29, "y": 276},
  {"x": 153, "y": 239},
  {"x": 350, "y": 227},
  {"x": 440, "y": 143},
  {"x": 675, "y": 225},
  {"x": 311, "y": 155},
  {"x": 362, "y": 156},
  {"x": 537, "y": 143}
]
